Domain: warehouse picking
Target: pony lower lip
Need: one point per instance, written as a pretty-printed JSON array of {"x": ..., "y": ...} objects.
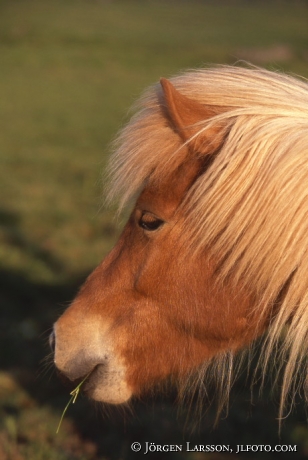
[{"x": 89, "y": 383}]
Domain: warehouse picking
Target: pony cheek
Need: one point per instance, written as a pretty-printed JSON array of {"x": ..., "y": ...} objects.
[{"x": 154, "y": 351}]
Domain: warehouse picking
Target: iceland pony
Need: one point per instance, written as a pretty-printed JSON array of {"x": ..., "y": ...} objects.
[{"x": 215, "y": 252}]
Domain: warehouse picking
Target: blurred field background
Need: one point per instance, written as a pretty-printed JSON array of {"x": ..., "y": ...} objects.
[{"x": 69, "y": 71}]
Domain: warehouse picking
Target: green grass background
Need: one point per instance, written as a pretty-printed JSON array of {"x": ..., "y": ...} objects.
[{"x": 69, "y": 71}]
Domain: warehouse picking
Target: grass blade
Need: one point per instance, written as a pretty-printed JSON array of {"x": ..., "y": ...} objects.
[{"x": 72, "y": 400}]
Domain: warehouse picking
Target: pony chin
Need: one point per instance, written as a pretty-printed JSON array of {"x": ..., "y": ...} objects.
[{"x": 108, "y": 386}]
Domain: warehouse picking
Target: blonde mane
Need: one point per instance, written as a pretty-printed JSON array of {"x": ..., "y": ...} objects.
[{"x": 250, "y": 208}]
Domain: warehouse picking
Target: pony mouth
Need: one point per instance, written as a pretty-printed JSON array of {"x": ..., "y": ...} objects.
[
  {"x": 104, "y": 381},
  {"x": 83, "y": 382}
]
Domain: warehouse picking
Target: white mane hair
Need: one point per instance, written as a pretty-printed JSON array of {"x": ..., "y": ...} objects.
[{"x": 250, "y": 207}]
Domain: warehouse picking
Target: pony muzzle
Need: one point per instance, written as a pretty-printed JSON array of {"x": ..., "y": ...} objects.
[{"x": 104, "y": 375}]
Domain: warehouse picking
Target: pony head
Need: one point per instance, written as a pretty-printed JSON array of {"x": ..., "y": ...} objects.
[{"x": 214, "y": 253}]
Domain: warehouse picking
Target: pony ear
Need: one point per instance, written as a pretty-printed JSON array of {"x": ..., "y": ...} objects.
[{"x": 186, "y": 114}]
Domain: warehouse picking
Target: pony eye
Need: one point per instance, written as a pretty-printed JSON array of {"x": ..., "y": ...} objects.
[{"x": 149, "y": 222}]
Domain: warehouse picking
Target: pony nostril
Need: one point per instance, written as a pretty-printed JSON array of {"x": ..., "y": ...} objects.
[{"x": 52, "y": 341}]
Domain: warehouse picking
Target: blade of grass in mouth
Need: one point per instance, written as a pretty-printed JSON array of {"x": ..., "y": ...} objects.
[{"x": 72, "y": 400}]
